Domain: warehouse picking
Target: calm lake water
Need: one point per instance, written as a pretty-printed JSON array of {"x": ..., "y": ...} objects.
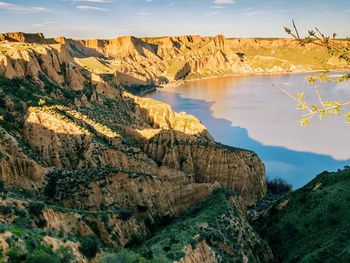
[{"x": 248, "y": 112}]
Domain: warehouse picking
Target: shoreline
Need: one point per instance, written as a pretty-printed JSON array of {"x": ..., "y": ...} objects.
[
  {"x": 220, "y": 125},
  {"x": 182, "y": 82}
]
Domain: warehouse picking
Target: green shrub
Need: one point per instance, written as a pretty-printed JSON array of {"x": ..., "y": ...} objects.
[
  {"x": 16, "y": 255},
  {"x": 124, "y": 256},
  {"x": 313, "y": 224},
  {"x": 44, "y": 257},
  {"x": 36, "y": 208},
  {"x": 89, "y": 246},
  {"x": 124, "y": 214},
  {"x": 6, "y": 210},
  {"x": 2, "y": 186},
  {"x": 9, "y": 240},
  {"x": 2, "y": 228},
  {"x": 278, "y": 186},
  {"x": 66, "y": 255}
]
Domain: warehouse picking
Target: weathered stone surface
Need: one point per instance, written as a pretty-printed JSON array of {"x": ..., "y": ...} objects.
[
  {"x": 202, "y": 253},
  {"x": 112, "y": 164},
  {"x": 16, "y": 168},
  {"x": 134, "y": 61}
]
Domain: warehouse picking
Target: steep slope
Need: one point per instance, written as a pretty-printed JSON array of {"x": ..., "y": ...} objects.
[
  {"x": 215, "y": 230},
  {"x": 139, "y": 62},
  {"x": 311, "y": 224},
  {"x": 104, "y": 163}
]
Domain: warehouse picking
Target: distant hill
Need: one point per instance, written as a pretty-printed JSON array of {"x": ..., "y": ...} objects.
[{"x": 139, "y": 62}]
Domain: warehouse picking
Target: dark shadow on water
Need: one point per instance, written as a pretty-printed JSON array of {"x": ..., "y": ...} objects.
[{"x": 296, "y": 167}]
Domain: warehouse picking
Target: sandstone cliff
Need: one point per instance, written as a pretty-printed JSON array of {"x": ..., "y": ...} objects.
[
  {"x": 109, "y": 163},
  {"x": 132, "y": 61}
]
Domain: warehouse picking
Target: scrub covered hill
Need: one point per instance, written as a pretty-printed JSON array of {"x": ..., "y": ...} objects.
[
  {"x": 88, "y": 169},
  {"x": 311, "y": 224}
]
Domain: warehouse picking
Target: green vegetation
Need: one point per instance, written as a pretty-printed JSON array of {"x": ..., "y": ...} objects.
[
  {"x": 44, "y": 257},
  {"x": 89, "y": 246},
  {"x": 94, "y": 64},
  {"x": 312, "y": 224},
  {"x": 284, "y": 57},
  {"x": 26, "y": 245},
  {"x": 175, "y": 67},
  {"x": 208, "y": 221},
  {"x": 2, "y": 186},
  {"x": 278, "y": 186},
  {"x": 66, "y": 255},
  {"x": 124, "y": 256},
  {"x": 36, "y": 208},
  {"x": 338, "y": 51}
]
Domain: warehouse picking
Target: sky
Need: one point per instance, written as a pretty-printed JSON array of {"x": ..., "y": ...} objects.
[{"x": 86, "y": 19}]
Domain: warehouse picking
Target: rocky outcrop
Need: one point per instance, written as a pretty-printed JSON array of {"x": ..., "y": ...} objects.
[
  {"x": 132, "y": 61},
  {"x": 24, "y": 37},
  {"x": 178, "y": 70},
  {"x": 202, "y": 253},
  {"x": 209, "y": 162},
  {"x": 82, "y": 223},
  {"x": 41, "y": 63},
  {"x": 57, "y": 244},
  {"x": 106, "y": 162},
  {"x": 213, "y": 231},
  {"x": 16, "y": 168}
]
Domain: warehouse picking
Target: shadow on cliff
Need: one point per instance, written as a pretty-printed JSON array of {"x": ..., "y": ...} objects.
[
  {"x": 58, "y": 73},
  {"x": 296, "y": 167}
]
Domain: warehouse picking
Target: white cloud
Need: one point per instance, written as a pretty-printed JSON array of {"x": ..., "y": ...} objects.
[
  {"x": 144, "y": 13},
  {"x": 38, "y": 25},
  {"x": 22, "y": 9},
  {"x": 217, "y": 7},
  {"x": 43, "y": 24},
  {"x": 91, "y": 8},
  {"x": 224, "y": 2}
]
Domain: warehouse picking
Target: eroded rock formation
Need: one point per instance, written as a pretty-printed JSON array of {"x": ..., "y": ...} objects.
[
  {"x": 132, "y": 61},
  {"x": 109, "y": 163}
]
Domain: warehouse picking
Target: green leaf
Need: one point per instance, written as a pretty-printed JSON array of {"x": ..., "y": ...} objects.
[
  {"x": 304, "y": 122},
  {"x": 347, "y": 116},
  {"x": 300, "y": 96},
  {"x": 311, "y": 79}
]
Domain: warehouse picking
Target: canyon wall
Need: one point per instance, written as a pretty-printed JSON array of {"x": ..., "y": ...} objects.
[
  {"x": 131, "y": 61},
  {"x": 112, "y": 164}
]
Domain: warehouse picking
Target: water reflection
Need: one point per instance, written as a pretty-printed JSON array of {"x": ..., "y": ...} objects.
[{"x": 270, "y": 123}]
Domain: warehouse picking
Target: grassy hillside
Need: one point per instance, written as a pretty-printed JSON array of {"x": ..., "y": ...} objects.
[
  {"x": 216, "y": 222},
  {"x": 312, "y": 224}
]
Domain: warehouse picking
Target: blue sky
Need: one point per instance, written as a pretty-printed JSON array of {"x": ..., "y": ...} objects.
[{"x": 233, "y": 18}]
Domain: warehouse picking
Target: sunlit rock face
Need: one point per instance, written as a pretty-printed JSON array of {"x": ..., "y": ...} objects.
[
  {"x": 110, "y": 163},
  {"x": 132, "y": 61}
]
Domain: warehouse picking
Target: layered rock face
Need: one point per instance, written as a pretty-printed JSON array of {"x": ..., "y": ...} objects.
[
  {"x": 24, "y": 37},
  {"x": 132, "y": 61},
  {"x": 112, "y": 164},
  {"x": 161, "y": 60},
  {"x": 17, "y": 168}
]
